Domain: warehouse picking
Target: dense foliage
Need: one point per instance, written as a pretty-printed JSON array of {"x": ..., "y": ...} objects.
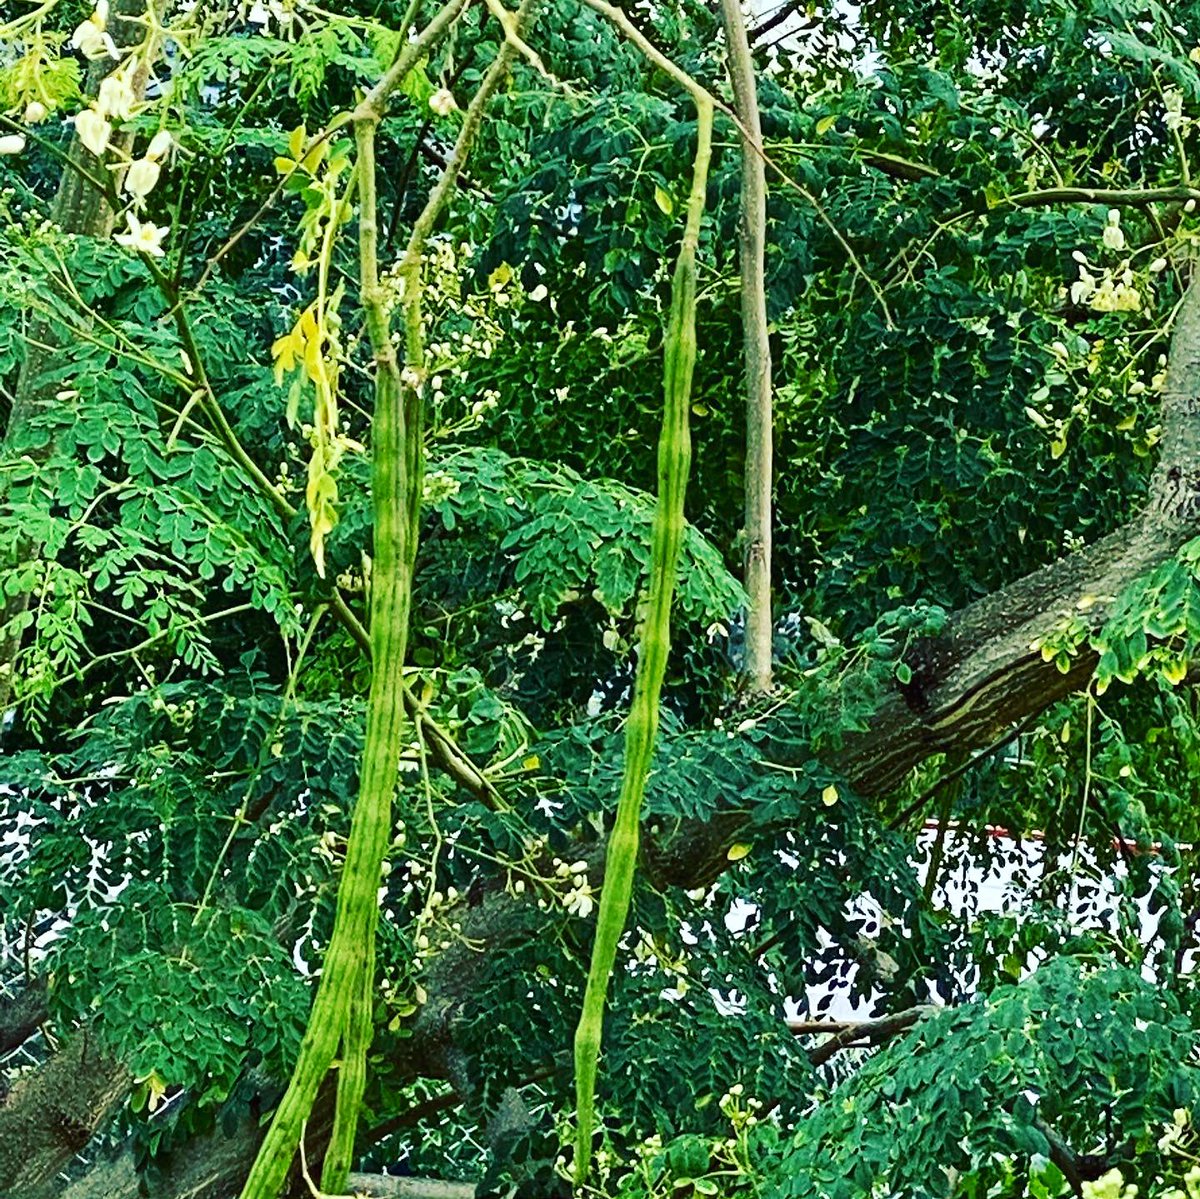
[{"x": 981, "y": 219}]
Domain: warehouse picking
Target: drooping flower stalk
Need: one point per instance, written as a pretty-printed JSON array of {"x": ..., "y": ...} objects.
[{"x": 674, "y": 461}]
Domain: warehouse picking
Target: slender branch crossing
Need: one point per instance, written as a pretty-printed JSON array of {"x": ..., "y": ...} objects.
[{"x": 752, "y": 238}]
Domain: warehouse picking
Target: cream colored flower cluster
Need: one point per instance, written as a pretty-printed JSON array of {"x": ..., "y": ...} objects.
[{"x": 116, "y": 100}]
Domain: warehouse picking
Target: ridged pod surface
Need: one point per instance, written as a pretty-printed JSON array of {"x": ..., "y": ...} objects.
[
  {"x": 674, "y": 462},
  {"x": 341, "y": 1011}
]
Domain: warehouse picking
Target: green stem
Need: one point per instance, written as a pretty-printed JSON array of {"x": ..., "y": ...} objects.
[{"x": 674, "y": 460}]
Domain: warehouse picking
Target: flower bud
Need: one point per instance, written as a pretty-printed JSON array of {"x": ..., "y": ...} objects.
[
  {"x": 160, "y": 143},
  {"x": 35, "y": 112},
  {"x": 116, "y": 98},
  {"x": 94, "y": 131},
  {"x": 12, "y": 143},
  {"x": 92, "y": 41},
  {"x": 141, "y": 178},
  {"x": 442, "y": 102}
]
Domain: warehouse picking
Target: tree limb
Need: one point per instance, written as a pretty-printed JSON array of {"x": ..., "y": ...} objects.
[
  {"x": 21, "y": 1014},
  {"x": 381, "y": 1186},
  {"x": 1103, "y": 195},
  {"x": 52, "y": 1111},
  {"x": 852, "y": 1033},
  {"x": 752, "y": 239}
]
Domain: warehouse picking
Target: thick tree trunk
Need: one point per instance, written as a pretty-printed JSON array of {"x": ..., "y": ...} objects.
[
  {"x": 21, "y": 1014},
  {"x": 212, "y": 1166},
  {"x": 752, "y": 238},
  {"x": 982, "y": 674}
]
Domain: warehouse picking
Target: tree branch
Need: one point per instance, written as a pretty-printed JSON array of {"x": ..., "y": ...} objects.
[
  {"x": 853, "y": 1033},
  {"x": 752, "y": 238},
  {"x": 52, "y": 1112},
  {"x": 1103, "y": 195},
  {"x": 982, "y": 675},
  {"x": 21, "y": 1014},
  {"x": 381, "y": 1186}
]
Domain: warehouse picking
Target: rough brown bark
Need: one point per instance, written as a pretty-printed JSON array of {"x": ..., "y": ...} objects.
[
  {"x": 211, "y": 1166},
  {"x": 378, "y": 1186},
  {"x": 51, "y": 1113},
  {"x": 21, "y": 1014},
  {"x": 858, "y": 1033}
]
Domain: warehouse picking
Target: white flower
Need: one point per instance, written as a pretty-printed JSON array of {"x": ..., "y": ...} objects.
[
  {"x": 116, "y": 98},
  {"x": 12, "y": 143},
  {"x": 579, "y": 901},
  {"x": 94, "y": 131},
  {"x": 141, "y": 177},
  {"x": 159, "y": 145},
  {"x": 1083, "y": 288},
  {"x": 539, "y": 293},
  {"x": 442, "y": 102},
  {"x": 1158, "y": 266},
  {"x": 1115, "y": 295},
  {"x": 35, "y": 112},
  {"x": 144, "y": 238},
  {"x": 1113, "y": 236},
  {"x": 91, "y": 40},
  {"x": 1173, "y": 104}
]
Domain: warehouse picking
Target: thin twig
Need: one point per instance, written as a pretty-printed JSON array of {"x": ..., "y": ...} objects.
[
  {"x": 926, "y": 795},
  {"x": 696, "y": 89}
]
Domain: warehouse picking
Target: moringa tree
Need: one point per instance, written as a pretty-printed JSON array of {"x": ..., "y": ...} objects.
[{"x": 331, "y": 265}]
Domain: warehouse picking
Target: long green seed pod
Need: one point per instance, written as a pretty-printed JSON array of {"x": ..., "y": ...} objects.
[
  {"x": 348, "y": 959},
  {"x": 341, "y": 1011},
  {"x": 674, "y": 460},
  {"x": 357, "y": 1039}
]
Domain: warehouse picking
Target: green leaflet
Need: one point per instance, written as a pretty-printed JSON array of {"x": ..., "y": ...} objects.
[{"x": 674, "y": 459}]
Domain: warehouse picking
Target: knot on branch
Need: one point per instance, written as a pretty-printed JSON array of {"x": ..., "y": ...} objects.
[
  {"x": 928, "y": 659},
  {"x": 1177, "y": 495}
]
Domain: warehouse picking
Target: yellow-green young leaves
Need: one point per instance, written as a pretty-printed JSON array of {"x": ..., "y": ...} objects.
[{"x": 311, "y": 350}]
